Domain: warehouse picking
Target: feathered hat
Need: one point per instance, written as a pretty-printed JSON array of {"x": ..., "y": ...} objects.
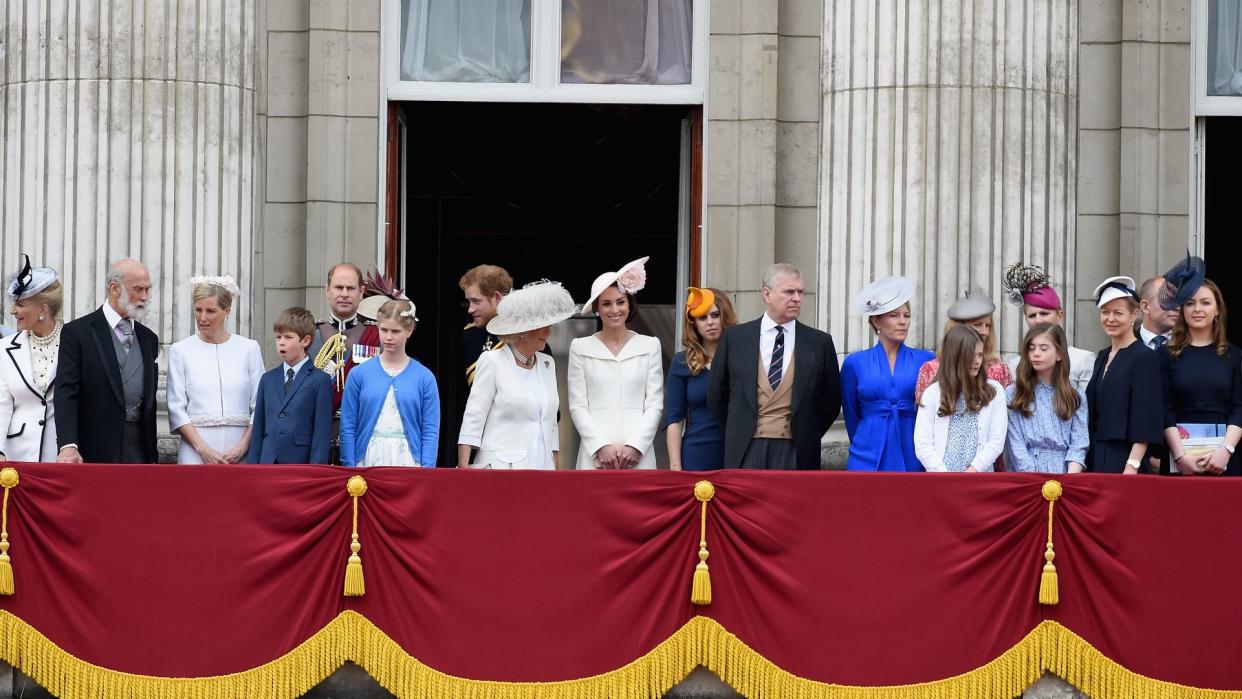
[
  {"x": 1181, "y": 282},
  {"x": 1030, "y": 285},
  {"x": 378, "y": 290},
  {"x": 30, "y": 280},
  {"x": 536, "y": 305}
]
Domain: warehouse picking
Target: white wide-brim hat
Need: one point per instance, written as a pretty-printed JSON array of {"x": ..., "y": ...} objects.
[
  {"x": 607, "y": 279},
  {"x": 369, "y": 307},
  {"x": 536, "y": 305},
  {"x": 883, "y": 295},
  {"x": 1114, "y": 288}
]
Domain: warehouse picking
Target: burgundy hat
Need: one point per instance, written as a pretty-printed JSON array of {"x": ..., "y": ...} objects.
[{"x": 1029, "y": 285}]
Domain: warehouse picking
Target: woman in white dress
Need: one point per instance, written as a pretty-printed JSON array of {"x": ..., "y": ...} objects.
[
  {"x": 511, "y": 414},
  {"x": 213, "y": 377},
  {"x": 28, "y": 367},
  {"x": 616, "y": 378}
]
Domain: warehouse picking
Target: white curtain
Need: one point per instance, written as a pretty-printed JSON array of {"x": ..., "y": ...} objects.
[
  {"x": 1226, "y": 65},
  {"x": 626, "y": 41},
  {"x": 477, "y": 41}
]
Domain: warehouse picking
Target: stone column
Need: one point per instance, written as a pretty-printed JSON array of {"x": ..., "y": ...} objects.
[
  {"x": 948, "y": 152},
  {"x": 127, "y": 128}
]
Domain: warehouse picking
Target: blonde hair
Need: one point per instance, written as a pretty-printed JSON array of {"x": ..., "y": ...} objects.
[
  {"x": 207, "y": 290},
  {"x": 52, "y": 297},
  {"x": 696, "y": 356},
  {"x": 399, "y": 310}
]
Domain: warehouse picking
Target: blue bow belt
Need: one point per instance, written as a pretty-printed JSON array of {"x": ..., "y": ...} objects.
[{"x": 889, "y": 408}]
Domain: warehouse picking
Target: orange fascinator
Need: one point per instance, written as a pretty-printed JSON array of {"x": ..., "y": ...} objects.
[{"x": 700, "y": 302}]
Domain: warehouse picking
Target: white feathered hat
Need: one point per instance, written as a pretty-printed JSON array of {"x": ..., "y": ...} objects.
[{"x": 536, "y": 305}]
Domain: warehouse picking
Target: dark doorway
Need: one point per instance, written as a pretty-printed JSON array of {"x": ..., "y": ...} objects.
[
  {"x": 562, "y": 192},
  {"x": 1221, "y": 183}
]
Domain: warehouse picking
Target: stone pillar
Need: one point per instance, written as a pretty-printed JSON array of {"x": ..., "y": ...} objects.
[
  {"x": 948, "y": 150},
  {"x": 128, "y": 128}
]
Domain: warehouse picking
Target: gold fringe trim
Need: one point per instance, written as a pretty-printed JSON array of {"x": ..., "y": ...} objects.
[{"x": 1050, "y": 647}]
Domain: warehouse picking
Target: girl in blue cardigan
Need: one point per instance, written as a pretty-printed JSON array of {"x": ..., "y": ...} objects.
[{"x": 390, "y": 411}]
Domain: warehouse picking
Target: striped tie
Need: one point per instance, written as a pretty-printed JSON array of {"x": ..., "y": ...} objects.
[{"x": 778, "y": 353}]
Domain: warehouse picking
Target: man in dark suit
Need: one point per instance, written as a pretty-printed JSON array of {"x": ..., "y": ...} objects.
[
  {"x": 775, "y": 386},
  {"x": 293, "y": 410},
  {"x": 106, "y": 376}
]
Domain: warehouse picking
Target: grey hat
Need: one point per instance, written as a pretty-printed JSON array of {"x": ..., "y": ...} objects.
[{"x": 975, "y": 304}]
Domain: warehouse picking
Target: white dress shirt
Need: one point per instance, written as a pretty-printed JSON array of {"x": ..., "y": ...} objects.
[
  {"x": 1149, "y": 338},
  {"x": 767, "y": 342},
  {"x": 114, "y": 318}
]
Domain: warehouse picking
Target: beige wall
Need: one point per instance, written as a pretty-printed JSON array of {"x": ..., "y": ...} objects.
[
  {"x": 1134, "y": 144},
  {"x": 319, "y": 115}
]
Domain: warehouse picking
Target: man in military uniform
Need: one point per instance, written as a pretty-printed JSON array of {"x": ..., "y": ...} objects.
[
  {"x": 337, "y": 356},
  {"x": 483, "y": 286}
]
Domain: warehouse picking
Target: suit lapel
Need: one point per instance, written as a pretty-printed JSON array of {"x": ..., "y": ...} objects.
[
  {"x": 107, "y": 353},
  {"x": 804, "y": 363},
  {"x": 21, "y": 362},
  {"x": 750, "y": 363},
  {"x": 298, "y": 379}
]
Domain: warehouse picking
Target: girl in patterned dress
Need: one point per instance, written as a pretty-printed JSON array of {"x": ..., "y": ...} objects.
[
  {"x": 961, "y": 422},
  {"x": 1047, "y": 415}
]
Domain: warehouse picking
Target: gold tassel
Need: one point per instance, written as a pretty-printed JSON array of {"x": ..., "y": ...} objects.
[
  {"x": 355, "y": 586},
  {"x": 9, "y": 480},
  {"x": 1048, "y": 592},
  {"x": 701, "y": 590}
]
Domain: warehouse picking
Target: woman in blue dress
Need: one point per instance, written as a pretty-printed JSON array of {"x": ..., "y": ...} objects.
[
  {"x": 695, "y": 442},
  {"x": 877, "y": 385}
]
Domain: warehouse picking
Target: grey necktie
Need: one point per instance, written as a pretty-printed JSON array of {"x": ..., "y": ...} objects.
[
  {"x": 288, "y": 378},
  {"x": 1159, "y": 341},
  {"x": 126, "y": 326}
]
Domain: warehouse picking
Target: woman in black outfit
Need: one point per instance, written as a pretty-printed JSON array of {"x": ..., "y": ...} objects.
[
  {"x": 1125, "y": 398},
  {"x": 1203, "y": 373}
]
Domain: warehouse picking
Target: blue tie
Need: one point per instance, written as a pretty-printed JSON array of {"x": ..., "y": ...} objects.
[{"x": 778, "y": 354}]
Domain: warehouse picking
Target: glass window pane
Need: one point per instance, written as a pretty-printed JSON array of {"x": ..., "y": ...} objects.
[
  {"x": 644, "y": 42},
  {"x": 1224, "y": 59},
  {"x": 472, "y": 41}
]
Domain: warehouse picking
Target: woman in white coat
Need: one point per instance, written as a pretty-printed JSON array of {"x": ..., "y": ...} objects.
[
  {"x": 616, "y": 378},
  {"x": 962, "y": 419},
  {"x": 511, "y": 414},
  {"x": 28, "y": 367}
]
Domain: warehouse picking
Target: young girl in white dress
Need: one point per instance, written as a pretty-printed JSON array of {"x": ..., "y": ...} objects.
[{"x": 213, "y": 378}]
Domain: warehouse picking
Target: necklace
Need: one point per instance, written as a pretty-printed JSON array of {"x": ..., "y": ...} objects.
[
  {"x": 48, "y": 339},
  {"x": 522, "y": 359}
]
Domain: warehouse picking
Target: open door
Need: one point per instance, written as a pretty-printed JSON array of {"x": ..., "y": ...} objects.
[{"x": 394, "y": 213}]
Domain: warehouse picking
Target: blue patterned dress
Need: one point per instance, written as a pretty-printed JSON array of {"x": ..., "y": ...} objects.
[{"x": 1043, "y": 442}]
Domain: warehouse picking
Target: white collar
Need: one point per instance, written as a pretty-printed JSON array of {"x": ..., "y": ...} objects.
[
  {"x": 767, "y": 324},
  {"x": 297, "y": 367},
  {"x": 111, "y": 315},
  {"x": 1146, "y": 335}
]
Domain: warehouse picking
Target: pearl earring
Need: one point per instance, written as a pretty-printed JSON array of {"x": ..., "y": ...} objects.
[{"x": 40, "y": 317}]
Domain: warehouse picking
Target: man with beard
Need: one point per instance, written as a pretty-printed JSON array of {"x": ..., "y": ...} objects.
[{"x": 106, "y": 376}]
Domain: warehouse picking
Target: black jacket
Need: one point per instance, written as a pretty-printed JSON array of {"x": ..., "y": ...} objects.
[
  {"x": 89, "y": 400},
  {"x": 733, "y": 388}
]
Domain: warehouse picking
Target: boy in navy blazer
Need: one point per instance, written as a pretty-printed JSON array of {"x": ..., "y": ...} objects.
[{"x": 293, "y": 412}]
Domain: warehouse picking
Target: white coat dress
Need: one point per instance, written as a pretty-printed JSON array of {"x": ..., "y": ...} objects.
[
  {"x": 513, "y": 426},
  {"x": 26, "y": 416},
  {"x": 615, "y": 399}
]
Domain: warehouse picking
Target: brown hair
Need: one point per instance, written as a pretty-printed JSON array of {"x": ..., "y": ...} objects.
[
  {"x": 957, "y": 353},
  {"x": 1180, "y": 337},
  {"x": 296, "y": 320},
  {"x": 51, "y": 296},
  {"x": 1065, "y": 400},
  {"x": 332, "y": 270},
  {"x": 696, "y": 356},
  {"x": 489, "y": 278},
  {"x": 989, "y": 343},
  {"x": 393, "y": 310}
]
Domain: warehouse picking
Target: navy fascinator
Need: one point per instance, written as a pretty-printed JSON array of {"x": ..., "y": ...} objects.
[{"x": 1182, "y": 281}]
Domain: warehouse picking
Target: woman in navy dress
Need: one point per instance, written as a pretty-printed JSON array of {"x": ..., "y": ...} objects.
[
  {"x": 695, "y": 442},
  {"x": 1203, "y": 374},
  {"x": 1125, "y": 400},
  {"x": 877, "y": 385}
]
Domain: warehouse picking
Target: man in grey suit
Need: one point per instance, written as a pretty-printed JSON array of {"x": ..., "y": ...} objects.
[{"x": 775, "y": 385}]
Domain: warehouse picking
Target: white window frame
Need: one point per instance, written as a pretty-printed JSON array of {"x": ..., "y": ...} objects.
[
  {"x": 545, "y": 68},
  {"x": 1205, "y": 104}
]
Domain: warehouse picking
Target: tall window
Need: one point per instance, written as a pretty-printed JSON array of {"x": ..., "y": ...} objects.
[{"x": 549, "y": 50}]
